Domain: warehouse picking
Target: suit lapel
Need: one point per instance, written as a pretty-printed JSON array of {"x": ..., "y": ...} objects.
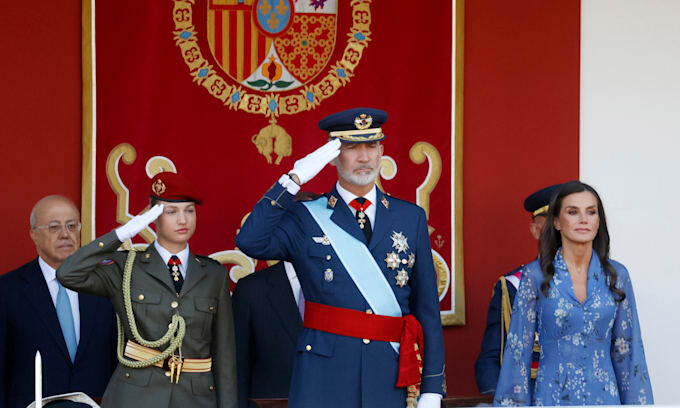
[
  {"x": 195, "y": 273},
  {"x": 281, "y": 298},
  {"x": 38, "y": 295},
  {"x": 152, "y": 263},
  {"x": 88, "y": 306},
  {"x": 383, "y": 219},
  {"x": 342, "y": 216}
]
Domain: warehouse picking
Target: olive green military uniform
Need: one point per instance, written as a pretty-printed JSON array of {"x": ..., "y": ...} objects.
[{"x": 204, "y": 303}]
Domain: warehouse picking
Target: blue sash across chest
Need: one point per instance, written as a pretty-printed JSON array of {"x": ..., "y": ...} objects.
[{"x": 358, "y": 261}]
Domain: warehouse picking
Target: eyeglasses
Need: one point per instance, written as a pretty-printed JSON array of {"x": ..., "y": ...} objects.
[{"x": 56, "y": 228}]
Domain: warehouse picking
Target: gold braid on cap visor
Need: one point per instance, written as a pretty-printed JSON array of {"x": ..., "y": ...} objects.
[
  {"x": 355, "y": 135},
  {"x": 540, "y": 211}
]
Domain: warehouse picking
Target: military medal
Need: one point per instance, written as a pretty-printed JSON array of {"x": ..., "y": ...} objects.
[
  {"x": 361, "y": 219},
  {"x": 328, "y": 275},
  {"x": 360, "y": 204},
  {"x": 174, "y": 269},
  {"x": 392, "y": 260},
  {"x": 402, "y": 278},
  {"x": 411, "y": 259},
  {"x": 399, "y": 241}
]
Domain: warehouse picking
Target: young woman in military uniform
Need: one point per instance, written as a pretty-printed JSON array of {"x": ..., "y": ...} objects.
[{"x": 176, "y": 337}]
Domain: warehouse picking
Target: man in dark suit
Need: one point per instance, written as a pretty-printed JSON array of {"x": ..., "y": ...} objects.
[
  {"x": 267, "y": 321},
  {"x": 488, "y": 364},
  {"x": 75, "y": 334}
]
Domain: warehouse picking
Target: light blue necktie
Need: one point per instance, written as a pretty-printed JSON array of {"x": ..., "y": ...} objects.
[{"x": 65, "y": 316}]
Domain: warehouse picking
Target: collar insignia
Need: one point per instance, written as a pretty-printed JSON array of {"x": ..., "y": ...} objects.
[
  {"x": 332, "y": 201},
  {"x": 385, "y": 202},
  {"x": 363, "y": 121}
]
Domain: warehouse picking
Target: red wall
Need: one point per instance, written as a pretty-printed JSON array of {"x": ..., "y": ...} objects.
[
  {"x": 39, "y": 115},
  {"x": 521, "y": 108}
]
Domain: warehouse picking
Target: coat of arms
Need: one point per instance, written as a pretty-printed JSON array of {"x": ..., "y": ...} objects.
[{"x": 271, "y": 57}]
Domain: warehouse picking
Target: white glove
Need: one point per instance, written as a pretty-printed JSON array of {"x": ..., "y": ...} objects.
[
  {"x": 430, "y": 400},
  {"x": 309, "y": 166},
  {"x": 138, "y": 223}
]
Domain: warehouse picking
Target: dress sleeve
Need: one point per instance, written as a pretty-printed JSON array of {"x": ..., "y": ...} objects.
[
  {"x": 513, "y": 382},
  {"x": 628, "y": 355}
]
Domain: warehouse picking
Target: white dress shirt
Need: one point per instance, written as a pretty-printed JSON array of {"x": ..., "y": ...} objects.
[
  {"x": 50, "y": 276},
  {"x": 183, "y": 256}
]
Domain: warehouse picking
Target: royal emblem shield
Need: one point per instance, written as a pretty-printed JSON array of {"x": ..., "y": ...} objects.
[{"x": 271, "y": 45}]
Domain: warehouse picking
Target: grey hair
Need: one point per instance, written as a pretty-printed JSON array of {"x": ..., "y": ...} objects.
[{"x": 34, "y": 212}]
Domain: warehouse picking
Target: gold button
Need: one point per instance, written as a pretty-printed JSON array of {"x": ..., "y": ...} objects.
[
  {"x": 101, "y": 245},
  {"x": 211, "y": 308},
  {"x": 147, "y": 256},
  {"x": 366, "y": 341},
  {"x": 167, "y": 373},
  {"x": 273, "y": 202},
  {"x": 369, "y": 311},
  {"x": 308, "y": 347},
  {"x": 174, "y": 304},
  {"x": 169, "y": 325},
  {"x": 140, "y": 297},
  {"x": 328, "y": 257},
  {"x": 212, "y": 388},
  {"x": 127, "y": 375}
]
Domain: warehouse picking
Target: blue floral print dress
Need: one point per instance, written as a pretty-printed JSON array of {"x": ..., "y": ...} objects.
[{"x": 591, "y": 353}]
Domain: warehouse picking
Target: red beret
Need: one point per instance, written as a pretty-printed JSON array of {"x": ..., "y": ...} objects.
[{"x": 168, "y": 186}]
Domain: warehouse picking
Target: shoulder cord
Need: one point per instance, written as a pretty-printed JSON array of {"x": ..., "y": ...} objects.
[
  {"x": 506, "y": 312},
  {"x": 174, "y": 335}
]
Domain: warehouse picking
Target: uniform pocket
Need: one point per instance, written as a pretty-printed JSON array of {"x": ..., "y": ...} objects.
[
  {"x": 207, "y": 308},
  {"x": 317, "y": 342},
  {"x": 327, "y": 265},
  {"x": 136, "y": 377},
  {"x": 203, "y": 385},
  {"x": 145, "y": 308}
]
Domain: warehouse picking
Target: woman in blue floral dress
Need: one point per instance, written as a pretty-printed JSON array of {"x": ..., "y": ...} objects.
[{"x": 581, "y": 304}]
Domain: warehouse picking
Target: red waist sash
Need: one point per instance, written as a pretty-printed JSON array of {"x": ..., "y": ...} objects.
[{"x": 353, "y": 323}]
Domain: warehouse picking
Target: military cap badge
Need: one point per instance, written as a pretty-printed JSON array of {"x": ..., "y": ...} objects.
[
  {"x": 363, "y": 121},
  {"x": 158, "y": 187}
]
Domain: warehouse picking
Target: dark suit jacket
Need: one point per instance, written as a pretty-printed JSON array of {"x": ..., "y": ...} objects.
[
  {"x": 267, "y": 323},
  {"x": 28, "y": 323}
]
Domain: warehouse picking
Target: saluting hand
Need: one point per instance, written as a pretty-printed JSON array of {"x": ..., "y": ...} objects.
[
  {"x": 138, "y": 223},
  {"x": 309, "y": 166}
]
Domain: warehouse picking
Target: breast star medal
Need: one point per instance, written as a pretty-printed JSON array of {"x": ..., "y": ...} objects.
[
  {"x": 411, "y": 260},
  {"x": 401, "y": 277},
  {"x": 399, "y": 241},
  {"x": 392, "y": 260}
]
